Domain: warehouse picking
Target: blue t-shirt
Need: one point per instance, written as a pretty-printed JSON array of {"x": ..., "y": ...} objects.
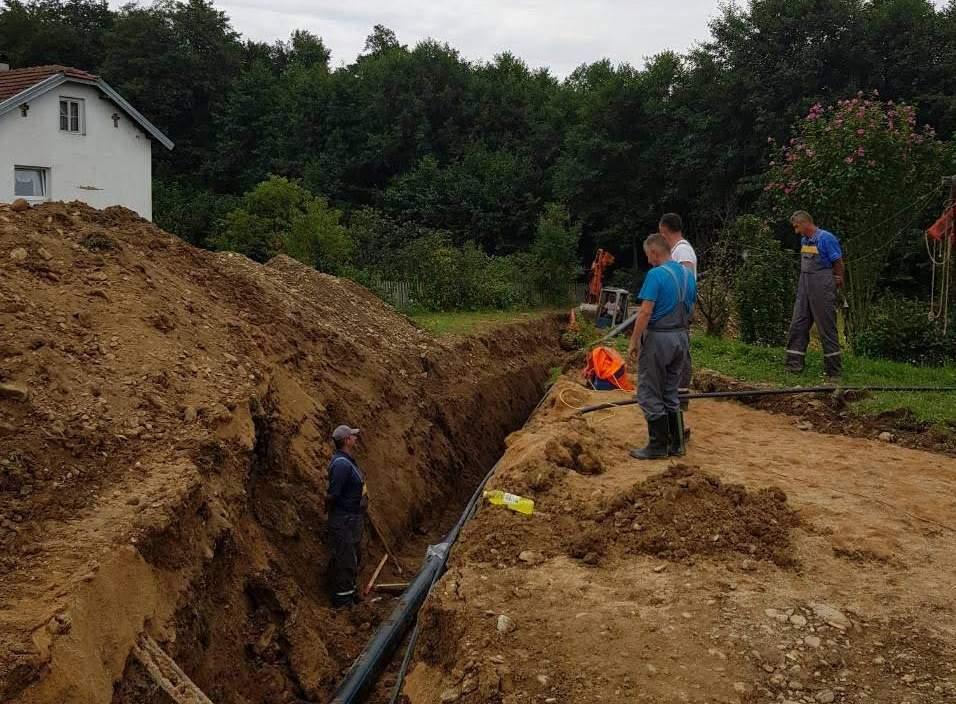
[
  {"x": 827, "y": 245},
  {"x": 659, "y": 287}
]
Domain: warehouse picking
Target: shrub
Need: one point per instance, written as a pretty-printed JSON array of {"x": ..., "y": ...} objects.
[
  {"x": 280, "y": 216},
  {"x": 715, "y": 285},
  {"x": 188, "y": 210},
  {"x": 552, "y": 262},
  {"x": 317, "y": 238},
  {"x": 900, "y": 329},
  {"x": 765, "y": 284}
]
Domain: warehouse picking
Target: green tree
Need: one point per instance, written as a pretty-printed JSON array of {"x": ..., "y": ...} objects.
[
  {"x": 280, "y": 217},
  {"x": 316, "y": 237},
  {"x": 765, "y": 282},
  {"x": 174, "y": 60},
  {"x": 68, "y": 32},
  {"x": 552, "y": 262}
]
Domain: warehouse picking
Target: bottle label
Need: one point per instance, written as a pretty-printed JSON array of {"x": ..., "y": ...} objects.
[{"x": 511, "y": 499}]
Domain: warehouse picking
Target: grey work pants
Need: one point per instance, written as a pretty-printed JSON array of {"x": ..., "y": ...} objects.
[
  {"x": 345, "y": 542},
  {"x": 816, "y": 303},
  {"x": 659, "y": 369}
]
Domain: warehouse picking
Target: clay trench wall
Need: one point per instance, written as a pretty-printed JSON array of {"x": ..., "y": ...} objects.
[{"x": 244, "y": 547}]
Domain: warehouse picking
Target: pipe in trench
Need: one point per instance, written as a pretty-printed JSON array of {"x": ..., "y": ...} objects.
[{"x": 369, "y": 664}]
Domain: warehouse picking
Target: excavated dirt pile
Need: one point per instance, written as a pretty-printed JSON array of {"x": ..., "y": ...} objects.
[
  {"x": 164, "y": 424},
  {"x": 771, "y": 564},
  {"x": 683, "y": 512}
]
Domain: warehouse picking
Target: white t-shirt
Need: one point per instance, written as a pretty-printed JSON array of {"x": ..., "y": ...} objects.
[{"x": 683, "y": 252}]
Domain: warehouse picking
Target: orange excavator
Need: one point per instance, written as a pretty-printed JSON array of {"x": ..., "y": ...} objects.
[{"x": 602, "y": 260}]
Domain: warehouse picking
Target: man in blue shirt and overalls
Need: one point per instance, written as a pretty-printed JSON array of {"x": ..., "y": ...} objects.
[
  {"x": 346, "y": 502},
  {"x": 660, "y": 341},
  {"x": 821, "y": 274}
]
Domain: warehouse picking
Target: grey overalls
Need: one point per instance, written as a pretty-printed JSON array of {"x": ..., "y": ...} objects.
[
  {"x": 816, "y": 303},
  {"x": 663, "y": 351}
]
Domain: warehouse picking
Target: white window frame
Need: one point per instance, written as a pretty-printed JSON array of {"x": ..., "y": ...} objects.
[
  {"x": 80, "y": 116},
  {"x": 44, "y": 181}
]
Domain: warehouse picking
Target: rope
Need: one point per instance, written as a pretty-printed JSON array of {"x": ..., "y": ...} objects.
[
  {"x": 562, "y": 399},
  {"x": 939, "y": 305},
  {"x": 917, "y": 207}
]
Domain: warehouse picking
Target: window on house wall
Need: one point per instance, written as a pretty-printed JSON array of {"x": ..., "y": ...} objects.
[
  {"x": 31, "y": 182},
  {"x": 71, "y": 115}
]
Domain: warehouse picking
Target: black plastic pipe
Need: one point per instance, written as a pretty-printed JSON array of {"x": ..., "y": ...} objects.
[
  {"x": 747, "y": 393},
  {"x": 615, "y": 331}
]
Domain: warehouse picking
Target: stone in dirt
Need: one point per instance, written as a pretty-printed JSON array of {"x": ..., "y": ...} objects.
[
  {"x": 14, "y": 392},
  {"x": 886, "y": 437},
  {"x": 450, "y": 695},
  {"x": 825, "y": 696},
  {"x": 505, "y": 624},
  {"x": 812, "y": 642},
  {"x": 531, "y": 557},
  {"x": 798, "y": 620},
  {"x": 19, "y": 205},
  {"x": 19, "y": 255},
  {"x": 830, "y": 615}
]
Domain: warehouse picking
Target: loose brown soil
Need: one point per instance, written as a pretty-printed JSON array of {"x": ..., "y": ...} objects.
[
  {"x": 771, "y": 564},
  {"x": 828, "y": 413},
  {"x": 164, "y": 424}
]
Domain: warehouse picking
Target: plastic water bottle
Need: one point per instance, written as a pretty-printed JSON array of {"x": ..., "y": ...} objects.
[{"x": 512, "y": 501}]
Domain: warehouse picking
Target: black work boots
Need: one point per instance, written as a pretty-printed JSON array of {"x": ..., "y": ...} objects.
[
  {"x": 677, "y": 435},
  {"x": 665, "y": 438}
]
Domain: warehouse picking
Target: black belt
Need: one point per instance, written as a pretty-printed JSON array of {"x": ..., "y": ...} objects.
[{"x": 673, "y": 329}]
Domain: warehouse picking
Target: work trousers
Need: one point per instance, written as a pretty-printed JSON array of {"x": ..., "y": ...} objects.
[
  {"x": 664, "y": 355},
  {"x": 816, "y": 303},
  {"x": 345, "y": 541}
]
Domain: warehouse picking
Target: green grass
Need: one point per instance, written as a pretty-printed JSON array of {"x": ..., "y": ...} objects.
[
  {"x": 470, "y": 322},
  {"x": 765, "y": 365}
]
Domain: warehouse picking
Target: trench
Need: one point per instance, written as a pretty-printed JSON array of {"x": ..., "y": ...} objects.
[{"x": 253, "y": 623}]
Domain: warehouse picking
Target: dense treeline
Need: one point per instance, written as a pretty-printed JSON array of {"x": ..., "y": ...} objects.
[
  {"x": 479, "y": 148},
  {"x": 474, "y": 152}
]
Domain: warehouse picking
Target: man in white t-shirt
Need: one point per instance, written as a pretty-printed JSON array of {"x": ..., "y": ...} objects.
[{"x": 672, "y": 228}]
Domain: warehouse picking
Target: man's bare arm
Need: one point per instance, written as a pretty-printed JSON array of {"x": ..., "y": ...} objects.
[
  {"x": 640, "y": 325},
  {"x": 839, "y": 271}
]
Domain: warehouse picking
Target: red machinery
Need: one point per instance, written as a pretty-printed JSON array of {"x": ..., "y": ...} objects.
[{"x": 602, "y": 260}]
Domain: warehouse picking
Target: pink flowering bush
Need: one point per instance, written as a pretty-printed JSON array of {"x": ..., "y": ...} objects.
[{"x": 863, "y": 168}]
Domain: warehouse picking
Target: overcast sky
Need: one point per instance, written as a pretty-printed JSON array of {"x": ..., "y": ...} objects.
[{"x": 559, "y": 34}]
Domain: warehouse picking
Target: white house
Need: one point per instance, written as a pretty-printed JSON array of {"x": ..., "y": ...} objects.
[{"x": 66, "y": 135}]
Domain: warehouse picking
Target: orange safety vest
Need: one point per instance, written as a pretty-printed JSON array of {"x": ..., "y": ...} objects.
[{"x": 608, "y": 365}]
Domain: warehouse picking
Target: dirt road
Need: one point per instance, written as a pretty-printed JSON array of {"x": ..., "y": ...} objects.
[{"x": 772, "y": 564}]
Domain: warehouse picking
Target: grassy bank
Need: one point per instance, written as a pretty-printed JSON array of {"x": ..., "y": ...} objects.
[
  {"x": 470, "y": 322},
  {"x": 765, "y": 365}
]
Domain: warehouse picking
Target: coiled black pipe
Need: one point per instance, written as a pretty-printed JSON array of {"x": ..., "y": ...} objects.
[
  {"x": 746, "y": 393},
  {"x": 367, "y": 666}
]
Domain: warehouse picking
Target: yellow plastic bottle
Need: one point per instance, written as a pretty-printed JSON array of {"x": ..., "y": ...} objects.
[{"x": 512, "y": 501}]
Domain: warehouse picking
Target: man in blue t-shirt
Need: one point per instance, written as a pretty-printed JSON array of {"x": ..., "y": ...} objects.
[
  {"x": 660, "y": 341},
  {"x": 345, "y": 502},
  {"x": 821, "y": 275}
]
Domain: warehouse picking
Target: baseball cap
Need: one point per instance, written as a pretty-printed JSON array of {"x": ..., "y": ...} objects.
[{"x": 344, "y": 431}]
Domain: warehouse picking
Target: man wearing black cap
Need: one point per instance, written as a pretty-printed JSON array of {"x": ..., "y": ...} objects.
[{"x": 345, "y": 502}]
